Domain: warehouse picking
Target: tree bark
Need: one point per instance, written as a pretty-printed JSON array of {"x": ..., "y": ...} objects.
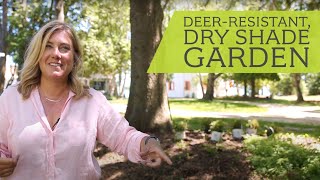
[
  {"x": 60, "y": 10},
  {"x": 202, "y": 90},
  {"x": 297, "y": 80},
  {"x": 115, "y": 91},
  {"x": 123, "y": 85},
  {"x": 148, "y": 102},
  {"x": 245, "y": 84},
  {"x": 3, "y": 43},
  {"x": 210, "y": 86},
  {"x": 253, "y": 87}
]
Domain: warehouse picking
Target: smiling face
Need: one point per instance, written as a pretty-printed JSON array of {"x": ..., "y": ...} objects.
[{"x": 57, "y": 60}]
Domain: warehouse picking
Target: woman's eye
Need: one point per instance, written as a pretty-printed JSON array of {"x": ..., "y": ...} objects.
[
  {"x": 64, "y": 49},
  {"x": 48, "y": 46}
]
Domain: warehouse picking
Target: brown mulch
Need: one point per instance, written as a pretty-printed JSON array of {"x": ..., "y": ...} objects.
[{"x": 195, "y": 157}]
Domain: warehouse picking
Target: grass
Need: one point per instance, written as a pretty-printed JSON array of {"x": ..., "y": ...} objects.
[
  {"x": 270, "y": 101},
  {"x": 214, "y": 106},
  {"x": 200, "y": 105},
  {"x": 227, "y": 104},
  {"x": 119, "y": 101}
]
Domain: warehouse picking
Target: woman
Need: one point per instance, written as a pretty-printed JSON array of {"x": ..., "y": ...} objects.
[{"x": 49, "y": 122}]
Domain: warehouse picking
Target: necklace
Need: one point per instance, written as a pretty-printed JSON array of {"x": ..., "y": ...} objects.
[{"x": 53, "y": 100}]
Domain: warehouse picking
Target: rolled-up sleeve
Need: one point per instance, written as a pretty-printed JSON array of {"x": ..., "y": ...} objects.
[
  {"x": 4, "y": 126},
  {"x": 114, "y": 131}
]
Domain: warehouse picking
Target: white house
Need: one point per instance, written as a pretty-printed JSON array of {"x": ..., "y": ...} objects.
[
  {"x": 184, "y": 85},
  {"x": 106, "y": 84},
  {"x": 188, "y": 86}
]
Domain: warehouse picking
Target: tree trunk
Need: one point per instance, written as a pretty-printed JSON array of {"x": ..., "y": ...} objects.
[
  {"x": 296, "y": 80},
  {"x": 60, "y": 10},
  {"x": 148, "y": 101},
  {"x": 115, "y": 91},
  {"x": 200, "y": 78},
  {"x": 210, "y": 88},
  {"x": 245, "y": 88},
  {"x": 238, "y": 90},
  {"x": 253, "y": 87},
  {"x": 3, "y": 43},
  {"x": 123, "y": 85},
  {"x": 24, "y": 5}
]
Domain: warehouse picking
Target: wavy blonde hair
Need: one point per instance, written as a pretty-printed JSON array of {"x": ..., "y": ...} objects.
[{"x": 30, "y": 73}]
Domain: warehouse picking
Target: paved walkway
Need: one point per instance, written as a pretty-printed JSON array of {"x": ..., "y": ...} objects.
[{"x": 276, "y": 112}]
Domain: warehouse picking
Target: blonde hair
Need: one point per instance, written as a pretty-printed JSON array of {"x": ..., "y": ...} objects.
[{"x": 30, "y": 73}]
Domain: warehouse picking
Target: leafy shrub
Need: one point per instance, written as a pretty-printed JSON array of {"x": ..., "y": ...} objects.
[
  {"x": 217, "y": 125},
  {"x": 253, "y": 124},
  {"x": 314, "y": 85},
  {"x": 284, "y": 86},
  {"x": 312, "y": 170},
  {"x": 180, "y": 125},
  {"x": 205, "y": 125},
  {"x": 237, "y": 124},
  {"x": 281, "y": 160},
  {"x": 277, "y": 129}
]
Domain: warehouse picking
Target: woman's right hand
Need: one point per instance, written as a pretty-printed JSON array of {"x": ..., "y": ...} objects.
[{"x": 7, "y": 166}]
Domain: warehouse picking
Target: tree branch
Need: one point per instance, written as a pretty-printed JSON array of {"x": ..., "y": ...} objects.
[
  {"x": 165, "y": 4},
  {"x": 217, "y": 75},
  {"x": 206, "y": 3}
]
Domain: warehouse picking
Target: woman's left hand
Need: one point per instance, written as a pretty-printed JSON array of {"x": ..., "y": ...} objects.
[{"x": 152, "y": 153}]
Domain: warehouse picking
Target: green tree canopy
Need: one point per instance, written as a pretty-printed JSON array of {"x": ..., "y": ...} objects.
[{"x": 104, "y": 33}]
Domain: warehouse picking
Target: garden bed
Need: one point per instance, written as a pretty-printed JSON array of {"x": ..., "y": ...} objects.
[{"x": 195, "y": 157}]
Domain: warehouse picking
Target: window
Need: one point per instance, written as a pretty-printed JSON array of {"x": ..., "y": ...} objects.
[
  {"x": 171, "y": 85},
  {"x": 187, "y": 85},
  {"x": 99, "y": 85}
]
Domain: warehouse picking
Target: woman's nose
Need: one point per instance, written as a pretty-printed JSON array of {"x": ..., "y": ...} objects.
[{"x": 57, "y": 53}]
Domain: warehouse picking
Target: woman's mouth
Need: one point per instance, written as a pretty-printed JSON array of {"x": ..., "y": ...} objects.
[{"x": 55, "y": 64}]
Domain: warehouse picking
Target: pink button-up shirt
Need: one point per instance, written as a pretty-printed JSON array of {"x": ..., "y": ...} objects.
[{"x": 67, "y": 151}]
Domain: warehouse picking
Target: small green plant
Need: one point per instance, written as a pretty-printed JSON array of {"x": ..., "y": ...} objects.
[
  {"x": 217, "y": 125},
  {"x": 210, "y": 149},
  {"x": 205, "y": 125},
  {"x": 237, "y": 124},
  {"x": 253, "y": 124},
  {"x": 180, "y": 126},
  {"x": 182, "y": 145},
  {"x": 278, "y": 129}
]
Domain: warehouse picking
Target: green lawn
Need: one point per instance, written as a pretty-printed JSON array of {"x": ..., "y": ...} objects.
[
  {"x": 214, "y": 106},
  {"x": 270, "y": 101},
  {"x": 234, "y": 99},
  {"x": 200, "y": 105},
  {"x": 228, "y": 104},
  {"x": 118, "y": 101}
]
